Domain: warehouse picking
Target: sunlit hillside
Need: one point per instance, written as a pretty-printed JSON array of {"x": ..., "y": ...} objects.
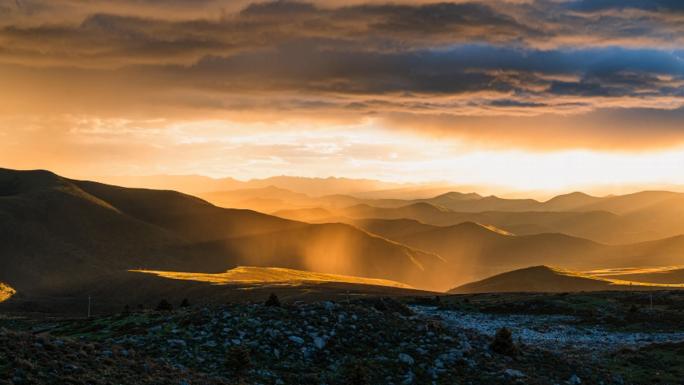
[
  {"x": 271, "y": 275},
  {"x": 6, "y": 292},
  {"x": 552, "y": 279},
  {"x": 665, "y": 275}
]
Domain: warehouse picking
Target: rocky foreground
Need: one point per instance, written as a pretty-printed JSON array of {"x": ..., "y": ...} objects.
[{"x": 368, "y": 341}]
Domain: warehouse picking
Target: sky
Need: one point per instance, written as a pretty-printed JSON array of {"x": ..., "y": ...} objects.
[{"x": 525, "y": 94}]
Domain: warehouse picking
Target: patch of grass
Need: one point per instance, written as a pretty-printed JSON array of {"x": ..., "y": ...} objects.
[{"x": 653, "y": 364}]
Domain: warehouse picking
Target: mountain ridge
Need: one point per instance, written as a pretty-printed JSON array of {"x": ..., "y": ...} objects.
[{"x": 61, "y": 235}]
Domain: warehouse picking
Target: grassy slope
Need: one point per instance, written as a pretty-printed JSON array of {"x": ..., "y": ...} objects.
[
  {"x": 335, "y": 248},
  {"x": 59, "y": 237},
  {"x": 6, "y": 292},
  {"x": 478, "y": 251},
  {"x": 671, "y": 275},
  {"x": 547, "y": 279},
  {"x": 272, "y": 275}
]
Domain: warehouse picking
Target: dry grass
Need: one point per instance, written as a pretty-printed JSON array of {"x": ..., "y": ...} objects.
[
  {"x": 601, "y": 275},
  {"x": 633, "y": 270},
  {"x": 6, "y": 292},
  {"x": 271, "y": 275}
]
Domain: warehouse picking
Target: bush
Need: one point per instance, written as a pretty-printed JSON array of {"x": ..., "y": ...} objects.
[
  {"x": 273, "y": 300},
  {"x": 185, "y": 303},
  {"x": 238, "y": 361},
  {"x": 356, "y": 374},
  {"x": 503, "y": 343},
  {"x": 164, "y": 305}
]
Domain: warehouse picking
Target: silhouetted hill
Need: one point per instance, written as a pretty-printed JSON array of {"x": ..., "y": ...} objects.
[
  {"x": 393, "y": 228},
  {"x": 475, "y": 251},
  {"x": 59, "y": 236},
  {"x": 489, "y": 203},
  {"x": 330, "y": 248},
  {"x": 547, "y": 279},
  {"x": 657, "y": 221},
  {"x": 644, "y": 216},
  {"x": 192, "y": 218},
  {"x": 623, "y": 204},
  {"x": 571, "y": 201}
]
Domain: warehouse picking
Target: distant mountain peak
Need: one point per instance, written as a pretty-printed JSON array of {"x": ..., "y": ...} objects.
[
  {"x": 426, "y": 206},
  {"x": 459, "y": 196},
  {"x": 572, "y": 195}
]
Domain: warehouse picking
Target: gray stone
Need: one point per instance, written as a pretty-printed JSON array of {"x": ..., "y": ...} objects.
[
  {"x": 513, "y": 373},
  {"x": 405, "y": 358},
  {"x": 295, "y": 339}
]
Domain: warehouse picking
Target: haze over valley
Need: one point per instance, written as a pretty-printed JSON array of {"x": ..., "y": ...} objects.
[{"x": 63, "y": 236}]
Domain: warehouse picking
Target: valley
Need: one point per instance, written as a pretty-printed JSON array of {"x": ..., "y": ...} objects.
[{"x": 62, "y": 237}]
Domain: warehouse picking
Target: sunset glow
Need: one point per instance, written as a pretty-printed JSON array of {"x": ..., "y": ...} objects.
[
  {"x": 341, "y": 192},
  {"x": 534, "y": 95}
]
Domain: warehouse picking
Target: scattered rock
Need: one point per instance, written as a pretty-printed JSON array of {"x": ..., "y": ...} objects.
[
  {"x": 405, "y": 358},
  {"x": 297, "y": 340},
  {"x": 513, "y": 373}
]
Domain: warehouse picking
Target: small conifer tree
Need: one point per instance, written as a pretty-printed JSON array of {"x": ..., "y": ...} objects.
[
  {"x": 503, "y": 343},
  {"x": 164, "y": 305},
  {"x": 273, "y": 300}
]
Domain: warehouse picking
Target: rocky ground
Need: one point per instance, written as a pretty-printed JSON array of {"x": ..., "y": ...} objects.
[{"x": 555, "y": 340}]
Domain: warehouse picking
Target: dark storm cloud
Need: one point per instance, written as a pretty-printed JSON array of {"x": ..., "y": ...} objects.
[
  {"x": 184, "y": 31},
  {"x": 477, "y": 57},
  {"x": 373, "y": 27},
  {"x": 646, "y": 5},
  {"x": 462, "y": 69}
]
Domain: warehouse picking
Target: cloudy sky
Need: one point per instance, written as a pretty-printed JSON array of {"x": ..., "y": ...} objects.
[{"x": 530, "y": 94}]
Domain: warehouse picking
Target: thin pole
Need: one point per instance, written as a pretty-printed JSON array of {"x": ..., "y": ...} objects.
[
  {"x": 88, "y": 306},
  {"x": 651, "y": 301}
]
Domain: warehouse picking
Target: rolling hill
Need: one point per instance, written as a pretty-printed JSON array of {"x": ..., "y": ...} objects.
[
  {"x": 330, "y": 248},
  {"x": 476, "y": 251},
  {"x": 638, "y": 217},
  {"x": 661, "y": 220},
  {"x": 60, "y": 236},
  {"x": 548, "y": 279}
]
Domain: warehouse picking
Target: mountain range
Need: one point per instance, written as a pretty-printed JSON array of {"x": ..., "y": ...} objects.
[
  {"x": 615, "y": 219},
  {"x": 62, "y": 237},
  {"x": 644, "y": 216}
]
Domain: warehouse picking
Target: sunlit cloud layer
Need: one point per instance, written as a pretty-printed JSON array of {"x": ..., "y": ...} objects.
[{"x": 127, "y": 83}]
